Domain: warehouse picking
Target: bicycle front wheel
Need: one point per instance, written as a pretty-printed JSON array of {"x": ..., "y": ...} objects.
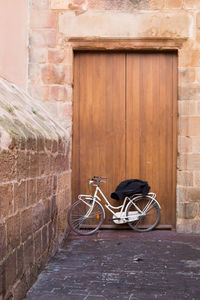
[
  {"x": 86, "y": 217},
  {"x": 149, "y": 216}
]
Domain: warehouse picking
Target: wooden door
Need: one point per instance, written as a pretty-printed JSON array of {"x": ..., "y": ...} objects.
[{"x": 124, "y": 123}]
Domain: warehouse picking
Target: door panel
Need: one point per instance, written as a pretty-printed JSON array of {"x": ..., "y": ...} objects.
[
  {"x": 124, "y": 123},
  {"x": 99, "y": 144}
]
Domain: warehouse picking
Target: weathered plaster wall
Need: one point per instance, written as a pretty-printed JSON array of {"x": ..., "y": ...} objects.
[
  {"x": 51, "y": 64},
  {"x": 34, "y": 189},
  {"x": 13, "y": 39}
]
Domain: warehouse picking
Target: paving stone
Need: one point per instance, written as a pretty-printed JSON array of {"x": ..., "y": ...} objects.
[{"x": 122, "y": 265}]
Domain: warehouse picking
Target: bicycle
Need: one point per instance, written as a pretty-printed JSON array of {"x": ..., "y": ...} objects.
[{"x": 140, "y": 212}]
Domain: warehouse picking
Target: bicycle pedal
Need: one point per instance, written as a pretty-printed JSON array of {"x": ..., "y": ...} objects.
[{"x": 114, "y": 219}]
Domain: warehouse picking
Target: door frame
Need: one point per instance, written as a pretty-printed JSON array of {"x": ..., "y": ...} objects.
[{"x": 140, "y": 44}]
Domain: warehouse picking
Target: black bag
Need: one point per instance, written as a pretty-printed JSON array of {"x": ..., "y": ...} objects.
[{"x": 130, "y": 187}]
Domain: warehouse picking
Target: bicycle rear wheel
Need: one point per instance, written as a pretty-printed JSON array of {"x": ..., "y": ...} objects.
[
  {"x": 83, "y": 219},
  {"x": 151, "y": 216}
]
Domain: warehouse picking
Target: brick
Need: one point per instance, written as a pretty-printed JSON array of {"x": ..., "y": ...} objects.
[
  {"x": 20, "y": 289},
  {"x": 40, "y": 4},
  {"x": 60, "y": 93},
  {"x": 13, "y": 232},
  {"x": 28, "y": 252},
  {"x": 20, "y": 194},
  {"x": 174, "y": 4},
  {"x": 37, "y": 244},
  {"x": 43, "y": 19},
  {"x": 8, "y": 166},
  {"x": 48, "y": 144},
  {"x": 6, "y": 200},
  {"x": 57, "y": 74},
  {"x": 31, "y": 192},
  {"x": 44, "y": 238},
  {"x": 26, "y": 223},
  {"x": 189, "y": 161},
  {"x": 3, "y": 243},
  {"x": 10, "y": 270},
  {"x": 185, "y": 178},
  {"x": 40, "y": 143},
  {"x": 184, "y": 144},
  {"x": 37, "y": 212},
  {"x": 63, "y": 181},
  {"x": 191, "y": 4},
  {"x": 60, "y": 4},
  {"x": 38, "y": 55},
  {"x": 43, "y": 38},
  {"x": 54, "y": 146},
  {"x": 189, "y": 126},
  {"x": 197, "y": 178},
  {"x": 186, "y": 107},
  {"x": 186, "y": 74}
]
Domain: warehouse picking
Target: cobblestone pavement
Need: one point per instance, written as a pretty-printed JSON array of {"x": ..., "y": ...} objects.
[{"x": 123, "y": 265}]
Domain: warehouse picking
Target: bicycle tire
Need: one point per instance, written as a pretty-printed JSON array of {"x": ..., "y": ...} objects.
[
  {"x": 144, "y": 224},
  {"x": 85, "y": 225}
]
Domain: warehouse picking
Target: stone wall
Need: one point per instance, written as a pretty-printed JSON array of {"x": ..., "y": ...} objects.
[
  {"x": 34, "y": 189},
  {"x": 54, "y": 22}
]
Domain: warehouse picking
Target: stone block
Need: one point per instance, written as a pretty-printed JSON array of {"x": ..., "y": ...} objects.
[
  {"x": 180, "y": 210},
  {"x": 31, "y": 192},
  {"x": 6, "y": 200},
  {"x": 13, "y": 232},
  {"x": 20, "y": 289},
  {"x": 189, "y": 161},
  {"x": 26, "y": 223},
  {"x": 44, "y": 238},
  {"x": 60, "y": 93},
  {"x": 8, "y": 166},
  {"x": 34, "y": 73},
  {"x": 115, "y": 5},
  {"x": 20, "y": 195},
  {"x": 20, "y": 261},
  {"x": 37, "y": 244},
  {"x": 28, "y": 252},
  {"x": 43, "y": 19},
  {"x": 189, "y": 126},
  {"x": 44, "y": 164},
  {"x": 189, "y": 92},
  {"x": 186, "y": 107},
  {"x": 63, "y": 182},
  {"x": 184, "y": 144},
  {"x": 189, "y": 58},
  {"x": 64, "y": 56},
  {"x": 3, "y": 242},
  {"x": 57, "y": 74},
  {"x": 197, "y": 178},
  {"x": 39, "y": 92},
  {"x": 156, "y": 4},
  {"x": 46, "y": 211},
  {"x": 187, "y": 74},
  {"x": 60, "y": 4},
  {"x": 192, "y": 4},
  {"x": 40, "y": 143},
  {"x": 48, "y": 144},
  {"x": 173, "y": 4},
  {"x": 22, "y": 165},
  {"x": 38, "y": 55},
  {"x": 196, "y": 144},
  {"x": 40, "y": 4},
  {"x": 10, "y": 270},
  {"x": 37, "y": 212},
  {"x": 43, "y": 38},
  {"x": 33, "y": 164},
  {"x": 92, "y": 24},
  {"x": 191, "y": 210},
  {"x": 41, "y": 188},
  {"x": 185, "y": 178}
]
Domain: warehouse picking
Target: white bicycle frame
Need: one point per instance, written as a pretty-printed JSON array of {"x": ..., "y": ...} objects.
[{"x": 121, "y": 216}]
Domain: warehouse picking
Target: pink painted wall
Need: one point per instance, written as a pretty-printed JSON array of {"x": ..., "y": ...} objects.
[{"x": 13, "y": 41}]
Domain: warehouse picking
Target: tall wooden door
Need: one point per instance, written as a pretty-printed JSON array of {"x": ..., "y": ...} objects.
[{"x": 124, "y": 123}]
